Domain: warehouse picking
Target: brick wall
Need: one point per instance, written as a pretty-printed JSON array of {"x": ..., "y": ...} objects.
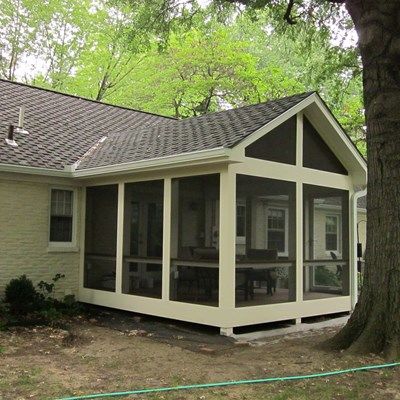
[{"x": 24, "y": 226}]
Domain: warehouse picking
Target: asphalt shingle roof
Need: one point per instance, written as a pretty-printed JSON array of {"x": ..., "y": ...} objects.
[
  {"x": 210, "y": 131},
  {"x": 62, "y": 128},
  {"x": 65, "y": 129}
]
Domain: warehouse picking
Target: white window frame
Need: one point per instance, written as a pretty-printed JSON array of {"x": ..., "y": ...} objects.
[
  {"x": 286, "y": 211},
  {"x": 64, "y": 246},
  {"x": 338, "y": 250}
]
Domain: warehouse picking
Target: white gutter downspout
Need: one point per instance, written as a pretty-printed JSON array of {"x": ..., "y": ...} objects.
[{"x": 354, "y": 277}]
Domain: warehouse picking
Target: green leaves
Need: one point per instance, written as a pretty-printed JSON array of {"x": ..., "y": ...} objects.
[{"x": 182, "y": 59}]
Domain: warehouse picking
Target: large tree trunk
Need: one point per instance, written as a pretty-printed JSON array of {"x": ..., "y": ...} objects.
[{"x": 374, "y": 325}]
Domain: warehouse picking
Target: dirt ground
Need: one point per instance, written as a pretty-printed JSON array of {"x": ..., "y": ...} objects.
[{"x": 113, "y": 352}]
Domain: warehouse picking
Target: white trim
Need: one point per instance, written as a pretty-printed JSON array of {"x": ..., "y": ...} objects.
[
  {"x": 34, "y": 170},
  {"x": 119, "y": 256},
  {"x": 299, "y": 139},
  {"x": 300, "y": 216},
  {"x": 346, "y": 139},
  {"x": 64, "y": 246},
  {"x": 81, "y": 278},
  {"x": 268, "y": 127},
  {"x": 227, "y": 242},
  {"x": 166, "y": 250},
  {"x": 219, "y": 154}
]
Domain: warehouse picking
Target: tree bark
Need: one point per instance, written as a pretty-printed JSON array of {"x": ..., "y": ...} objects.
[{"x": 374, "y": 325}]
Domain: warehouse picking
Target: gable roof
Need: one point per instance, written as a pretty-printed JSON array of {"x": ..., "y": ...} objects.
[
  {"x": 62, "y": 128},
  {"x": 222, "y": 129},
  {"x": 68, "y": 130}
]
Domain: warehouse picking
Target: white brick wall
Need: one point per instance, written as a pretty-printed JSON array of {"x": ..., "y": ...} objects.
[{"x": 24, "y": 221}]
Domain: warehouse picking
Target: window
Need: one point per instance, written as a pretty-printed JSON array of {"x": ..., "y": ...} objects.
[
  {"x": 331, "y": 233},
  {"x": 61, "y": 215},
  {"x": 240, "y": 223},
  {"x": 276, "y": 235}
]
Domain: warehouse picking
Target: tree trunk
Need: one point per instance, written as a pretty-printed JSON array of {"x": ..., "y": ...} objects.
[{"x": 374, "y": 325}]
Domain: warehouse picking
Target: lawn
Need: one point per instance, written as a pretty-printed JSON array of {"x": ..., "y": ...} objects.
[{"x": 113, "y": 353}]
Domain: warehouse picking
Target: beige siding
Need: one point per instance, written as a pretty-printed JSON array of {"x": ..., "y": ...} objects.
[{"x": 24, "y": 231}]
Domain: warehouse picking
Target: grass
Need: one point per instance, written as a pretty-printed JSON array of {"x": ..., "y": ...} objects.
[
  {"x": 35, "y": 364},
  {"x": 349, "y": 387}
]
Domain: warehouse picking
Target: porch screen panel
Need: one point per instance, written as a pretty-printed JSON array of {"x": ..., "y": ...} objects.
[
  {"x": 278, "y": 145},
  {"x": 265, "y": 241},
  {"x": 317, "y": 154},
  {"x": 195, "y": 239},
  {"x": 101, "y": 237},
  {"x": 326, "y": 242},
  {"x": 143, "y": 238}
]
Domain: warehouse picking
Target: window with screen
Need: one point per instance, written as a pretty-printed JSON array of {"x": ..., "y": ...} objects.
[
  {"x": 331, "y": 232},
  {"x": 61, "y": 215},
  {"x": 277, "y": 229},
  {"x": 240, "y": 220}
]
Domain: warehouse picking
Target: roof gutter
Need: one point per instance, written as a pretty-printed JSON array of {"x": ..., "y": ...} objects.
[
  {"x": 22, "y": 169},
  {"x": 353, "y": 274},
  {"x": 220, "y": 154},
  {"x": 202, "y": 157}
]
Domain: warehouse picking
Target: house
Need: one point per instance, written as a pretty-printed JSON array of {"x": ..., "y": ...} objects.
[{"x": 234, "y": 218}]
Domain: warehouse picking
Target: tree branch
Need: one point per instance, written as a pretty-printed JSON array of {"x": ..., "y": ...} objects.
[{"x": 288, "y": 14}]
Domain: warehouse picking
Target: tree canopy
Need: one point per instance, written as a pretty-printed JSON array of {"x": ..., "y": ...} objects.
[{"x": 201, "y": 60}]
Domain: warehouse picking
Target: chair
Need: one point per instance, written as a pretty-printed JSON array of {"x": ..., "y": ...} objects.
[
  {"x": 267, "y": 275},
  {"x": 207, "y": 277}
]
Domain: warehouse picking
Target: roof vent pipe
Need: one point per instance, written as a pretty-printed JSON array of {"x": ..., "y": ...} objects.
[
  {"x": 10, "y": 136},
  {"x": 21, "y": 120}
]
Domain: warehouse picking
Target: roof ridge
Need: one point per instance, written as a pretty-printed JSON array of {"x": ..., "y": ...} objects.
[
  {"x": 84, "y": 98},
  {"x": 306, "y": 94}
]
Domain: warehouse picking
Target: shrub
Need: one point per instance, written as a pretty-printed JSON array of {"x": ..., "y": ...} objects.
[
  {"x": 48, "y": 288},
  {"x": 326, "y": 277},
  {"x": 24, "y": 304},
  {"x": 21, "y": 296}
]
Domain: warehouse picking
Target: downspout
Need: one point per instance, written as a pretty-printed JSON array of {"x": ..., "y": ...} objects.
[{"x": 354, "y": 280}]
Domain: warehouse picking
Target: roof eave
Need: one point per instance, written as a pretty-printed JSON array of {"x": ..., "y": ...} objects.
[
  {"x": 24, "y": 169},
  {"x": 216, "y": 155}
]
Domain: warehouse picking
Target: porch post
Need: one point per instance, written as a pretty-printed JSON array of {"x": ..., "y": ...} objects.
[
  {"x": 352, "y": 266},
  {"x": 166, "y": 252},
  {"x": 299, "y": 241},
  {"x": 227, "y": 235},
  {"x": 299, "y": 210},
  {"x": 82, "y": 240},
  {"x": 120, "y": 239}
]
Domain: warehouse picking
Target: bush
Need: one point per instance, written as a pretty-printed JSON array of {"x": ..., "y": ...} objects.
[
  {"x": 21, "y": 296},
  {"x": 24, "y": 304},
  {"x": 326, "y": 277}
]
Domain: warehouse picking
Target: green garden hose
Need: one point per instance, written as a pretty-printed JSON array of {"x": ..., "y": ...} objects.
[{"x": 232, "y": 383}]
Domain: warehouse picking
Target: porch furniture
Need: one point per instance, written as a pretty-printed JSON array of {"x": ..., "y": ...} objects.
[{"x": 267, "y": 275}]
